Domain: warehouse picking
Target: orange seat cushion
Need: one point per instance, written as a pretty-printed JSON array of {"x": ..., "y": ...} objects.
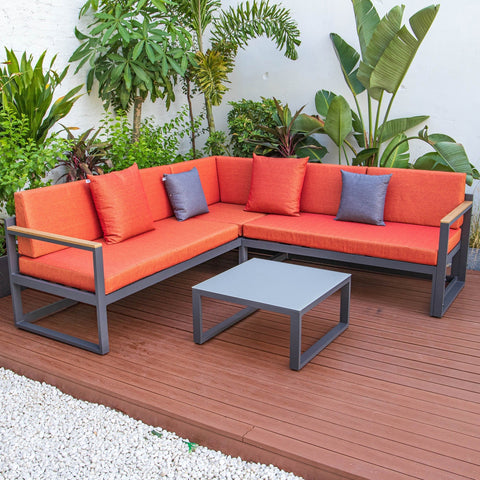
[
  {"x": 276, "y": 185},
  {"x": 234, "y": 179},
  {"x": 170, "y": 243},
  {"x": 155, "y": 191},
  {"x": 422, "y": 197},
  {"x": 394, "y": 241},
  {"x": 64, "y": 209},
  {"x": 230, "y": 213},
  {"x": 207, "y": 170},
  {"x": 121, "y": 204},
  {"x": 322, "y": 187}
]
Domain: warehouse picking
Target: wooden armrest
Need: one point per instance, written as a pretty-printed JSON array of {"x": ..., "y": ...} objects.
[
  {"x": 38, "y": 234},
  {"x": 456, "y": 212}
]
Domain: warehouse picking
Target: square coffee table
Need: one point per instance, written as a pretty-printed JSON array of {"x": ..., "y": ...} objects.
[{"x": 277, "y": 287}]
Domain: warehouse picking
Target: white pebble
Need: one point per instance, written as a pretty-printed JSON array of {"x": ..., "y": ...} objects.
[{"x": 48, "y": 435}]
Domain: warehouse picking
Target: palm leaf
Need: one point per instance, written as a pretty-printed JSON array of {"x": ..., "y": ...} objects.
[
  {"x": 238, "y": 25},
  {"x": 211, "y": 74}
]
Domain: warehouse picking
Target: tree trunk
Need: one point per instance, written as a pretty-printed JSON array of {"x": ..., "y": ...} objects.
[
  {"x": 192, "y": 119},
  {"x": 210, "y": 119},
  {"x": 137, "y": 118}
]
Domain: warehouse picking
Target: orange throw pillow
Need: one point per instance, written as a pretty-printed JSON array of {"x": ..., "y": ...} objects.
[
  {"x": 121, "y": 204},
  {"x": 276, "y": 185}
]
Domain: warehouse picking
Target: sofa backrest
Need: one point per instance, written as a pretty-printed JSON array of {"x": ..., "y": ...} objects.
[
  {"x": 421, "y": 197},
  {"x": 207, "y": 170},
  {"x": 322, "y": 187},
  {"x": 155, "y": 191},
  {"x": 64, "y": 209},
  {"x": 234, "y": 179}
]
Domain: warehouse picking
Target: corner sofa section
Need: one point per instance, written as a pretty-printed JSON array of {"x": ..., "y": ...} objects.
[{"x": 427, "y": 218}]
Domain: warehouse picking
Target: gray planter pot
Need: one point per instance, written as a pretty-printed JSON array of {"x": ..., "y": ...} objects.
[{"x": 473, "y": 261}]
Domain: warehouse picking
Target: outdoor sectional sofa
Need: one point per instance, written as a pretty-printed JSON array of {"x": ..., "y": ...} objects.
[{"x": 96, "y": 242}]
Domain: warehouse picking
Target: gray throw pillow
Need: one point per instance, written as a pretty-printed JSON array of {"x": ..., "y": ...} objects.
[
  {"x": 363, "y": 198},
  {"x": 185, "y": 194}
]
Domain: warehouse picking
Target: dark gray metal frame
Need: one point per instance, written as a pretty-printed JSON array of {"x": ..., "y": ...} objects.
[
  {"x": 71, "y": 296},
  {"x": 297, "y": 359},
  {"x": 445, "y": 287}
]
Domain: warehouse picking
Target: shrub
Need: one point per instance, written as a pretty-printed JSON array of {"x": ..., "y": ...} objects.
[
  {"x": 24, "y": 163},
  {"x": 157, "y": 144},
  {"x": 244, "y": 120}
]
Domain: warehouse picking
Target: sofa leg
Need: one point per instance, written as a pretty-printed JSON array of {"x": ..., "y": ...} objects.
[
  {"x": 26, "y": 321},
  {"x": 242, "y": 254},
  {"x": 102, "y": 327}
]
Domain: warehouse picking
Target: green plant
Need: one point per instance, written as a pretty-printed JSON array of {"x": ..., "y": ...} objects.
[
  {"x": 25, "y": 163},
  {"x": 86, "y": 156},
  {"x": 135, "y": 50},
  {"x": 217, "y": 144},
  {"x": 28, "y": 90},
  {"x": 475, "y": 230},
  {"x": 288, "y": 138},
  {"x": 244, "y": 120},
  {"x": 230, "y": 30},
  {"x": 156, "y": 144},
  {"x": 387, "y": 49}
]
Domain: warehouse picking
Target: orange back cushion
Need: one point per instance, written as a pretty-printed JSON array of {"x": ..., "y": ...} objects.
[
  {"x": 276, "y": 185},
  {"x": 155, "y": 191},
  {"x": 421, "y": 197},
  {"x": 207, "y": 170},
  {"x": 322, "y": 188},
  {"x": 121, "y": 204},
  {"x": 64, "y": 209},
  {"x": 234, "y": 179}
]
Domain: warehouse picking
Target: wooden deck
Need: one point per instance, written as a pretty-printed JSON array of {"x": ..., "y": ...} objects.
[{"x": 397, "y": 396}]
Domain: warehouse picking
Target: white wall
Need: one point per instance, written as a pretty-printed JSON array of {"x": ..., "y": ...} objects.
[{"x": 442, "y": 81}]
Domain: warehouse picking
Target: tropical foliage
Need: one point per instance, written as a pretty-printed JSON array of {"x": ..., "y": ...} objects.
[
  {"x": 244, "y": 120},
  {"x": 25, "y": 163},
  {"x": 156, "y": 144},
  {"x": 387, "y": 49},
  {"x": 230, "y": 30},
  {"x": 27, "y": 91},
  {"x": 87, "y": 155},
  {"x": 135, "y": 49},
  {"x": 289, "y": 137}
]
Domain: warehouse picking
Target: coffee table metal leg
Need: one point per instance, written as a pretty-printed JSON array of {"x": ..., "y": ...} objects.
[
  {"x": 299, "y": 360},
  {"x": 199, "y": 336}
]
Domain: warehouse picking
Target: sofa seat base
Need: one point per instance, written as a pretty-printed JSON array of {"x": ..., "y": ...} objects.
[
  {"x": 230, "y": 213},
  {"x": 170, "y": 243},
  {"x": 394, "y": 241}
]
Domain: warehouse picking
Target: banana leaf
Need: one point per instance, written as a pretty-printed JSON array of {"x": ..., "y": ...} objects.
[
  {"x": 396, "y": 154},
  {"x": 348, "y": 58},
  {"x": 393, "y": 64},
  {"x": 338, "y": 123},
  {"x": 323, "y": 99},
  {"x": 367, "y": 19},
  {"x": 384, "y": 33},
  {"x": 394, "y": 127}
]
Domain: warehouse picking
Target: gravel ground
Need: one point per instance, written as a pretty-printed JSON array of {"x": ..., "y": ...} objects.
[{"x": 46, "y": 434}]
